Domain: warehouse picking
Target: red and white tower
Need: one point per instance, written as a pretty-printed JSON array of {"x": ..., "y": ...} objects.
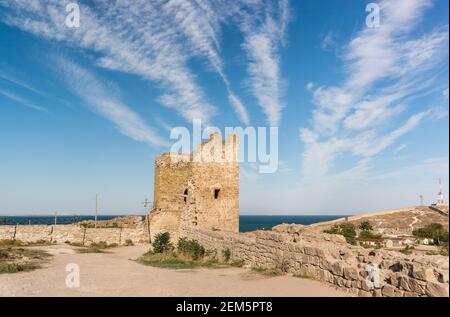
[{"x": 440, "y": 200}]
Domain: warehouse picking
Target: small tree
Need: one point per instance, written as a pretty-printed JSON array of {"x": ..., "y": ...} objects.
[
  {"x": 162, "y": 243},
  {"x": 369, "y": 234},
  {"x": 365, "y": 226},
  {"x": 433, "y": 231},
  {"x": 346, "y": 229}
]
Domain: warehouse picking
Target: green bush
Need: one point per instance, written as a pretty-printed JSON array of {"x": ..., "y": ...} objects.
[
  {"x": 129, "y": 242},
  {"x": 369, "y": 235},
  {"x": 190, "y": 248},
  {"x": 99, "y": 245},
  {"x": 433, "y": 231},
  {"x": 226, "y": 254},
  {"x": 346, "y": 229},
  {"x": 15, "y": 267},
  {"x": 4, "y": 254},
  {"x": 162, "y": 243},
  {"x": 238, "y": 263},
  {"x": 365, "y": 226}
]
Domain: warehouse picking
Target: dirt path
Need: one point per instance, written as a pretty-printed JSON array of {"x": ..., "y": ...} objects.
[{"x": 115, "y": 274}]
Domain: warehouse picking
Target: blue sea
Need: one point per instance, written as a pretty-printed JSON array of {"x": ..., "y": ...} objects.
[
  {"x": 251, "y": 223},
  {"x": 247, "y": 223}
]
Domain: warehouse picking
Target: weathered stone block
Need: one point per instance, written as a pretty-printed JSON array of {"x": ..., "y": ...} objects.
[
  {"x": 337, "y": 268},
  {"x": 362, "y": 293},
  {"x": 434, "y": 289},
  {"x": 366, "y": 285},
  {"x": 424, "y": 274},
  {"x": 351, "y": 273},
  {"x": 388, "y": 290}
]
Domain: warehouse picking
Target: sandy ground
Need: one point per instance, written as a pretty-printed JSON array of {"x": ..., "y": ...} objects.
[{"x": 116, "y": 274}]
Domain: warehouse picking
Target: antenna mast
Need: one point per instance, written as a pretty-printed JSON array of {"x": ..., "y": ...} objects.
[{"x": 440, "y": 200}]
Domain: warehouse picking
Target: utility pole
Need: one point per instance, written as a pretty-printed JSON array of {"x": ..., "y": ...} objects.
[
  {"x": 96, "y": 209},
  {"x": 146, "y": 204}
]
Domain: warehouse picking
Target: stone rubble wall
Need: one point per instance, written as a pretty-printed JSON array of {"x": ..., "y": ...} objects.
[
  {"x": 75, "y": 234},
  {"x": 323, "y": 257},
  {"x": 359, "y": 271}
]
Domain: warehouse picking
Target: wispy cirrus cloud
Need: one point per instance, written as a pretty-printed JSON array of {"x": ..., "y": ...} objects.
[
  {"x": 25, "y": 85},
  {"x": 105, "y": 101},
  {"x": 18, "y": 99},
  {"x": 156, "y": 40},
  {"x": 129, "y": 36},
  {"x": 386, "y": 68},
  {"x": 264, "y": 27}
]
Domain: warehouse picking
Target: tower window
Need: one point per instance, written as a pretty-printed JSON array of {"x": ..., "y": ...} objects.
[
  {"x": 216, "y": 193},
  {"x": 185, "y": 196}
]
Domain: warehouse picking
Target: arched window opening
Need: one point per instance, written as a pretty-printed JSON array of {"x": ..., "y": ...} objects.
[
  {"x": 216, "y": 193},
  {"x": 185, "y": 195}
]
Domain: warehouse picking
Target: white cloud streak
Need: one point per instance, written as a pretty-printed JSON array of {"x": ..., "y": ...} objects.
[
  {"x": 104, "y": 101},
  {"x": 156, "y": 40},
  {"x": 386, "y": 69},
  {"x": 264, "y": 34},
  {"x": 16, "y": 98}
]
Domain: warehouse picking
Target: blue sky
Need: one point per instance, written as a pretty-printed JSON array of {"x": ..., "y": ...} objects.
[{"x": 362, "y": 112}]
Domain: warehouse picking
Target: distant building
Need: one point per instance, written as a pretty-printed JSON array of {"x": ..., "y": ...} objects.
[{"x": 373, "y": 242}]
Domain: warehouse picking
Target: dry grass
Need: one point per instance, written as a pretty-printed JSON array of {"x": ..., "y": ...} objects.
[
  {"x": 270, "y": 272},
  {"x": 172, "y": 260},
  {"x": 15, "y": 259}
]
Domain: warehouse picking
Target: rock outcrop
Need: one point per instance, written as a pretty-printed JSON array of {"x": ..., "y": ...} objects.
[{"x": 327, "y": 258}]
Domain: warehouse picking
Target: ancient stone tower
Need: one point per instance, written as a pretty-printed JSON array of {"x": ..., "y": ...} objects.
[{"x": 199, "y": 190}]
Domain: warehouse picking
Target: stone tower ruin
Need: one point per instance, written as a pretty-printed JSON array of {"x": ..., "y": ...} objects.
[{"x": 200, "y": 189}]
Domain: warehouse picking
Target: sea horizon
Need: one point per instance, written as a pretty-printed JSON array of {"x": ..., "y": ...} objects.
[{"x": 246, "y": 222}]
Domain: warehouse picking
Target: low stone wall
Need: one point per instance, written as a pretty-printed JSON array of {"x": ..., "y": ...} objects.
[
  {"x": 75, "y": 234},
  {"x": 359, "y": 271}
]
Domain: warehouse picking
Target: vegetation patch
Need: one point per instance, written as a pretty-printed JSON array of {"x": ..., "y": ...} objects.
[
  {"x": 162, "y": 243},
  {"x": 14, "y": 268},
  {"x": 190, "y": 249},
  {"x": 188, "y": 254},
  {"x": 10, "y": 242},
  {"x": 166, "y": 259},
  {"x": 237, "y": 263},
  {"x": 226, "y": 255},
  {"x": 89, "y": 250},
  {"x": 129, "y": 242},
  {"x": 94, "y": 247},
  {"x": 434, "y": 231},
  {"x": 365, "y": 225},
  {"x": 346, "y": 229},
  {"x": 19, "y": 243},
  {"x": 367, "y": 234},
  {"x": 271, "y": 272},
  {"x": 407, "y": 249},
  {"x": 15, "y": 259},
  {"x": 74, "y": 244}
]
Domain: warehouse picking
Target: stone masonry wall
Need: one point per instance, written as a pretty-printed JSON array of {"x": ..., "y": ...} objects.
[
  {"x": 74, "y": 234},
  {"x": 199, "y": 189},
  {"x": 353, "y": 269}
]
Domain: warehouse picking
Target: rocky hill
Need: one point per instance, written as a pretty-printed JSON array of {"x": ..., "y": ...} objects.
[{"x": 393, "y": 222}]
